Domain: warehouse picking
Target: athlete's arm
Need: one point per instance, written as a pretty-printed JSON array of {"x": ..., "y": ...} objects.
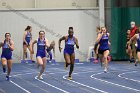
[
  {"x": 32, "y": 46},
  {"x": 47, "y": 43},
  {"x": 54, "y": 51},
  {"x": 108, "y": 34},
  {"x": 59, "y": 43},
  {"x": 1, "y": 44},
  {"x": 76, "y": 42},
  {"x": 133, "y": 38},
  {"x": 109, "y": 43},
  {"x": 25, "y": 33},
  {"x": 98, "y": 37},
  {"x": 31, "y": 40},
  {"x": 11, "y": 45},
  {"x": 97, "y": 48}
]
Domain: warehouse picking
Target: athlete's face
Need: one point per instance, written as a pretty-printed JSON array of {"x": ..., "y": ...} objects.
[
  {"x": 71, "y": 32},
  {"x": 128, "y": 32},
  {"x": 104, "y": 30},
  {"x": 7, "y": 37},
  {"x": 41, "y": 35},
  {"x": 30, "y": 29}
]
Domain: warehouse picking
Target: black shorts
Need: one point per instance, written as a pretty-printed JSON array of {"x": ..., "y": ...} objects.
[
  {"x": 138, "y": 50},
  {"x": 95, "y": 46},
  {"x": 102, "y": 51},
  {"x": 25, "y": 44}
]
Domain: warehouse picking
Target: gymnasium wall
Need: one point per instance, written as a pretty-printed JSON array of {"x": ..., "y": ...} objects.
[{"x": 55, "y": 23}]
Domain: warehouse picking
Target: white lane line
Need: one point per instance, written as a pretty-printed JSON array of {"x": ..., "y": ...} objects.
[
  {"x": 92, "y": 76},
  {"x": 23, "y": 74},
  {"x": 2, "y": 91},
  {"x": 120, "y": 75},
  {"x": 20, "y": 87},
  {"x": 86, "y": 72},
  {"x": 79, "y": 63},
  {"x": 64, "y": 77},
  {"x": 15, "y": 72},
  {"x": 52, "y": 86}
]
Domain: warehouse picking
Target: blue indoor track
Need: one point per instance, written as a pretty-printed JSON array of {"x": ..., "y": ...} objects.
[{"x": 122, "y": 77}]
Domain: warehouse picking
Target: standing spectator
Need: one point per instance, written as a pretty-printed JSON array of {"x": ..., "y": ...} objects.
[{"x": 132, "y": 33}]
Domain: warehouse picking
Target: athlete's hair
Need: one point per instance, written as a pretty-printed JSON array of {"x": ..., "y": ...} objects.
[
  {"x": 27, "y": 28},
  {"x": 98, "y": 29},
  {"x": 103, "y": 27},
  {"x": 6, "y": 34},
  {"x": 41, "y": 31},
  {"x": 70, "y": 28}
]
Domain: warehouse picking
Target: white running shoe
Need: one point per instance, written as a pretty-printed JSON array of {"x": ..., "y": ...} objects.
[
  {"x": 105, "y": 70},
  {"x": 40, "y": 78}
]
